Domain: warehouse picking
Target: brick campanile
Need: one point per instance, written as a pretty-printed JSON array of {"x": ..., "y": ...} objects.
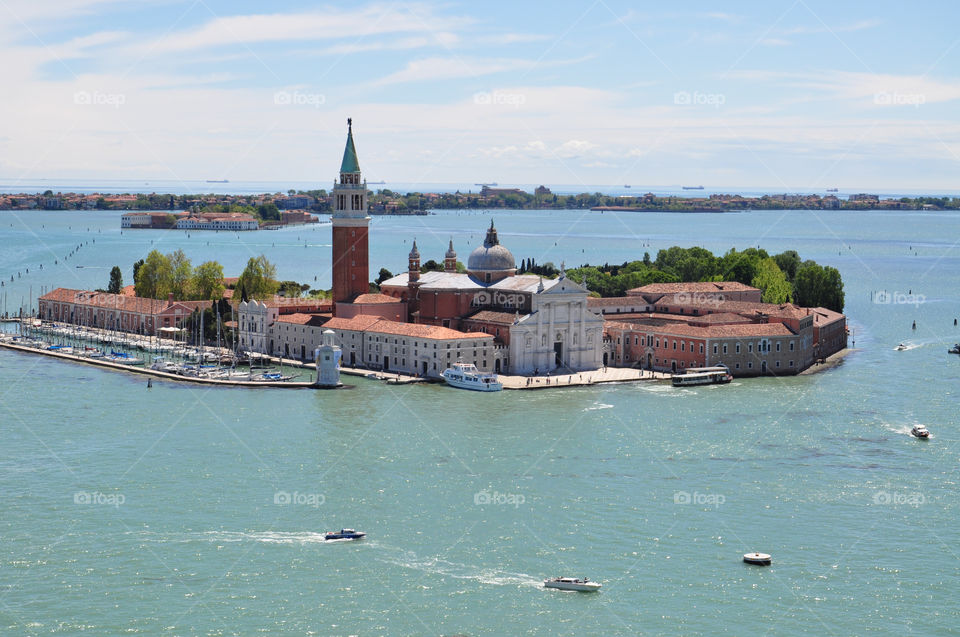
[{"x": 351, "y": 270}]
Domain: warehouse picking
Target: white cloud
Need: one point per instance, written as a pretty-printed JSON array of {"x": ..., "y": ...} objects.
[{"x": 370, "y": 21}]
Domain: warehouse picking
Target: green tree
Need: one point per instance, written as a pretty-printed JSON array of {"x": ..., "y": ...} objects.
[
  {"x": 153, "y": 278},
  {"x": 383, "y": 276},
  {"x": 136, "y": 268},
  {"x": 817, "y": 286},
  {"x": 290, "y": 289},
  {"x": 258, "y": 279},
  {"x": 181, "y": 272},
  {"x": 116, "y": 281},
  {"x": 207, "y": 281},
  {"x": 772, "y": 282},
  {"x": 788, "y": 262}
]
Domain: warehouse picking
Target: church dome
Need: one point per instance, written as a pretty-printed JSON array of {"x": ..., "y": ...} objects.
[{"x": 491, "y": 256}]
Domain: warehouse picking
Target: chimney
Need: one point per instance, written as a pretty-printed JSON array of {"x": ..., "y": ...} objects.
[{"x": 169, "y": 299}]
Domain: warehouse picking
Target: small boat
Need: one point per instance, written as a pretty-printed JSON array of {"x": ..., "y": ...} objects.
[
  {"x": 920, "y": 431},
  {"x": 343, "y": 534},
  {"x": 955, "y": 349},
  {"x": 572, "y": 584},
  {"x": 901, "y": 347},
  {"x": 760, "y": 559},
  {"x": 702, "y": 376},
  {"x": 467, "y": 376}
]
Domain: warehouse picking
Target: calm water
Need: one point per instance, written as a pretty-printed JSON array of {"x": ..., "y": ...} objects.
[{"x": 164, "y": 511}]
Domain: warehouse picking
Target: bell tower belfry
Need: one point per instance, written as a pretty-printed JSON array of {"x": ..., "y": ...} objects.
[{"x": 351, "y": 224}]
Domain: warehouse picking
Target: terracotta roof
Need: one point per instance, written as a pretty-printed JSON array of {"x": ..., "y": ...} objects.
[
  {"x": 418, "y": 330},
  {"x": 375, "y": 299},
  {"x": 489, "y": 316},
  {"x": 822, "y": 316},
  {"x": 614, "y": 301},
  {"x": 718, "y": 319},
  {"x": 299, "y": 319},
  {"x": 358, "y": 323},
  {"x": 375, "y": 324},
  {"x": 744, "y": 330},
  {"x": 697, "y": 286}
]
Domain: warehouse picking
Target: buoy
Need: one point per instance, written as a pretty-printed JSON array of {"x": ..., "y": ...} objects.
[
  {"x": 760, "y": 559},
  {"x": 914, "y": 325}
]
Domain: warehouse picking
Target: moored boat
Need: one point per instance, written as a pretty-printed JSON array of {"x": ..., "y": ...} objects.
[
  {"x": 467, "y": 376},
  {"x": 702, "y": 376},
  {"x": 955, "y": 349},
  {"x": 572, "y": 584}
]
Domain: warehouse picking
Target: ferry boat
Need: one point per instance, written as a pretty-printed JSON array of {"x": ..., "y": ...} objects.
[
  {"x": 702, "y": 376},
  {"x": 467, "y": 376},
  {"x": 692, "y": 187},
  {"x": 572, "y": 584},
  {"x": 920, "y": 431},
  {"x": 344, "y": 534}
]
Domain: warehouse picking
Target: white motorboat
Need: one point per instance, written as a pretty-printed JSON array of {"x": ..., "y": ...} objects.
[
  {"x": 572, "y": 584},
  {"x": 467, "y": 376},
  {"x": 901, "y": 347},
  {"x": 920, "y": 431}
]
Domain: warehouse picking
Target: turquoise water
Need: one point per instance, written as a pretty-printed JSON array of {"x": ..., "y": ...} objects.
[{"x": 186, "y": 510}]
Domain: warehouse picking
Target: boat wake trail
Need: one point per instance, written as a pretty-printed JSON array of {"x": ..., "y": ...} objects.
[
  {"x": 268, "y": 537},
  {"x": 598, "y": 405},
  {"x": 436, "y": 566}
]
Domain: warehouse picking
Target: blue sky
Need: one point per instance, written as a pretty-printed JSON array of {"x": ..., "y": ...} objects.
[{"x": 792, "y": 95}]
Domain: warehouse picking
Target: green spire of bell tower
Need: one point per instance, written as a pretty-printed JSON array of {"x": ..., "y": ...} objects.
[{"x": 350, "y": 163}]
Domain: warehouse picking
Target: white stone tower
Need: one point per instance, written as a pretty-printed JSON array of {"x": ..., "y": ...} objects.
[{"x": 327, "y": 357}]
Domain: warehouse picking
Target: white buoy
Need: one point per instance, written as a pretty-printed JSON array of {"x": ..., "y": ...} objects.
[{"x": 760, "y": 559}]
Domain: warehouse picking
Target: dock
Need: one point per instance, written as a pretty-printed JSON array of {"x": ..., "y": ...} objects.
[{"x": 146, "y": 371}]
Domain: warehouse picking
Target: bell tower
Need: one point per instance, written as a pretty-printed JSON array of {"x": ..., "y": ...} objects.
[
  {"x": 351, "y": 224},
  {"x": 450, "y": 259}
]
